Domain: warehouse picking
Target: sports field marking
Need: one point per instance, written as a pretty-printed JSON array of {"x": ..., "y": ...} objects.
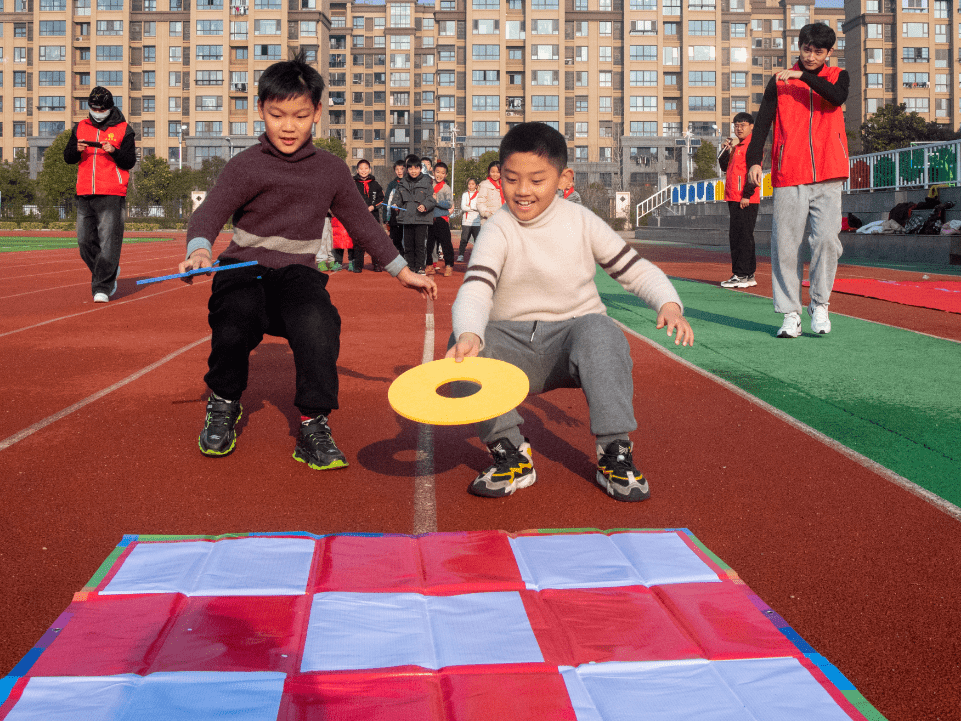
[
  {"x": 79, "y": 267},
  {"x": 106, "y": 306},
  {"x": 49, "y": 420},
  {"x": 425, "y": 501},
  {"x": 43, "y": 290},
  {"x": 932, "y": 498}
]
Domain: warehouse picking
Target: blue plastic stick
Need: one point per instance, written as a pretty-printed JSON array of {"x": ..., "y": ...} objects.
[{"x": 212, "y": 269}]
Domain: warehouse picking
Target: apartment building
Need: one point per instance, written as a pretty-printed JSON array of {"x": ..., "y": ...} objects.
[
  {"x": 633, "y": 84},
  {"x": 907, "y": 52}
]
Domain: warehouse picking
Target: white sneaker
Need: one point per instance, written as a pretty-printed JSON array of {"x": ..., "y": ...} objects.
[
  {"x": 820, "y": 322},
  {"x": 101, "y": 298},
  {"x": 791, "y": 328}
]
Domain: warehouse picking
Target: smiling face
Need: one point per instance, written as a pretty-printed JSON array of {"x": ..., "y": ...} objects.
[
  {"x": 494, "y": 173},
  {"x": 530, "y": 184},
  {"x": 413, "y": 171},
  {"x": 471, "y": 185},
  {"x": 399, "y": 171},
  {"x": 363, "y": 170},
  {"x": 440, "y": 174},
  {"x": 289, "y": 122},
  {"x": 813, "y": 58}
]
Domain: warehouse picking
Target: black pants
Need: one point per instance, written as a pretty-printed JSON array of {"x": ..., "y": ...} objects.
[
  {"x": 100, "y": 222},
  {"x": 466, "y": 233},
  {"x": 415, "y": 246},
  {"x": 439, "y": 237},
  {"x": 291, "y": 302},
  {"x": 741, "y": 236},
  {"x": 397, "y": 236}
]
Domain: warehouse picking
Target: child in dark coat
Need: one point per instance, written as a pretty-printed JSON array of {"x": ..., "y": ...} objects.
[{"x": 416, "y": 197}]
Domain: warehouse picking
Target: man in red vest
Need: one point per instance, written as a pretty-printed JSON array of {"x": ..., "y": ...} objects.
[
  {"x": 103, "y": 145},
  {"x": 809, "y": 164},
  {"x": 743, "y": 200}
]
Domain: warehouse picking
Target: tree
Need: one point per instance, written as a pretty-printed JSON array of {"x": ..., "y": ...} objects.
[
  {"x": 16, "y": 187},
  {"x": 332, "y": 145},
  {"x": 705, "y": 162},
  {"x": 57, "y": 181},
  {"x": 471, "y": 168},
  {"x": 598, "y": 199},
  {"x": 892, "y": 127},
  {"x": 151, "y": 181},
  {"x": 205, "y": 178}
]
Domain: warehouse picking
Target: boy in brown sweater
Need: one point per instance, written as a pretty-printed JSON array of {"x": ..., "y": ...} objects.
[{"x": 278, "y": 194}]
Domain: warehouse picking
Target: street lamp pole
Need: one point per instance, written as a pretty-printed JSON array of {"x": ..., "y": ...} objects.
[{"x": 180, "y": 153}]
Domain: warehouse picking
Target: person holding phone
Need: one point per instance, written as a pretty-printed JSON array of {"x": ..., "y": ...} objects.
[{"x": 104, "y": 146}]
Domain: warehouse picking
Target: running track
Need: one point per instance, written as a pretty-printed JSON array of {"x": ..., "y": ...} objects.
[{"x": 103, "y": 405}]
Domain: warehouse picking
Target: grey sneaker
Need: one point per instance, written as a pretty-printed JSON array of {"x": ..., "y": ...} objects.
[
  {"x": 617, "y": 474},
  {"x": 739, "y": 281},
  {"x": 513, "y": 468},
  {"x": 791, "y": 328},
  {"x": 316, "y": 447},
  {"x": 218, "y": 437},
  {"x": 820, "y": 321}
]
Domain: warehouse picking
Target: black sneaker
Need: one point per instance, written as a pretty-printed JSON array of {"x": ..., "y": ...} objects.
[
  {"x": 513, "y": 468},
  {"x": 218, "y": 437},
  {"x": 739, "y": 281},
  {"x": 617, "y": 474},
  {"x": 316, "y": 447}
]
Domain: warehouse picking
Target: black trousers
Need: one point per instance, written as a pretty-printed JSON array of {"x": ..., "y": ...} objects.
[
  {"x": 100, "y": 223},
  {"x": 466, "y": 234},
  {"x": 741, "y": 236},
  {"x": 415, "y": 246},
  {"x": 439, "y": 237},
  {"x": 291, "y": 302},
  {"x": 397, "y": 236}
]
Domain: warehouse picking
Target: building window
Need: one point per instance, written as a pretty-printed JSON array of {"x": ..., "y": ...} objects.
[
  {"x": 545, "y": 77},
  {"x": 701, "y": 78},
  {"x": 53, "y": 52},
  {"x": 544, "y": 103},
  {"x": 56, "y": 78},
  {"x": 580, "y": 105},
  {"x": 175, "y": 28},
  {"x": 644, "y": 103},
  {"x": 149, "y": 104},
  {"x": 646, "y": 53},
  {"x": 485, "y": 103},
  {"x": 110, "y": 53},
  {"x": 53, "y": 27},
  {"x": 914, "y": 80},
  {"x": 110, "y": 78},
  {"x": 208, "y": 128},
  {"x": 268, "y": 52},
  {"x": 209, "y": 77},
  {"x": 486, "y": 128},
  {"x": 210, "y": 52},
  {"x": 604, "y": 78},
  {"x": 738, "y": 80},
  {"x": 210, "y": 27},
  {"x": 544, "y": 52},
  {"x": 175, "y": 54},
  {"x": 580, "y": 78},
  {"x": 671, "y": 56},
  {"x": 269, "y": 27},
  {"x": 110, "y": 27},
  {"x": 485, "y": 77},
  {"x": 700, "y": 52},
  {"x": 643, "y": 78},
  {"x": 701, "y": 27},
  {"x": 917, "y": 105},
  {"x": 400, "y": 14},
  {"x": 210, "y": 103},
  {"x": 644, "y": 128},
  {"x": 915, "y": 55},
  {"x": 738, "y": 55},
  {"x": 701, "y": 103},
  {"x": 914, "y": 30}
]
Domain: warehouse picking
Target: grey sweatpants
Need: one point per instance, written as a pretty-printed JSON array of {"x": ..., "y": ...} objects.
[
  {"x": 817, "y": 208},
  {"x": 588, "y": 352}
]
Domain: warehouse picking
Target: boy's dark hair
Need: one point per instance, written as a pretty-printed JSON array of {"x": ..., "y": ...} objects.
[
  {"x": 400, "y": 162},
  {"x": 426, "y": 159},
  {"x": 412, "y": 161},
  {"x": 537, "y": 138},
  {"x": 441, "y": 164},
  {"x": 817, "y": 35},
  {"x": 363, "y": 161},
  {"x": 290, "y": 79},
  {"x": 743, "y": 118}
]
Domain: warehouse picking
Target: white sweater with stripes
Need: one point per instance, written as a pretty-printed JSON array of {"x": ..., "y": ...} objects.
[{"x": 544, "y": 269}]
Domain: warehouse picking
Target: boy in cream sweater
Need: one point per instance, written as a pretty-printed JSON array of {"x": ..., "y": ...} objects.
[{"x": 529, "y": 298}]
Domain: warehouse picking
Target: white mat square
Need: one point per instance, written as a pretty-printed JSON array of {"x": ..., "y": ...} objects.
[
  {"x": 380, "y": 630},
  {"x": 595, "y": 560},
  {"x": 231, "y": 567}
]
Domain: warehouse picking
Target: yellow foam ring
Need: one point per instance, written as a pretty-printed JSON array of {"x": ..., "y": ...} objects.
[{"x": 414, "y": 395}]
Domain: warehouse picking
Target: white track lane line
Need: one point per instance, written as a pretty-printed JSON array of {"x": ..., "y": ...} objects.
[
  {"x": 49, "y": 420},
  {"x": 425, "y": 502},
  {"x": 910, "y": 486},
  {"x": 75, "y": 268},
  {"x": 103, "y": 307}
]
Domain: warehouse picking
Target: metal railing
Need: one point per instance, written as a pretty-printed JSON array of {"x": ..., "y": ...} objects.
[{"x": 917, "y": 166}]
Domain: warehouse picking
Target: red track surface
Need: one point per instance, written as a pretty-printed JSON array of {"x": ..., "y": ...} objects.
[{"x": 866, "y": 572}]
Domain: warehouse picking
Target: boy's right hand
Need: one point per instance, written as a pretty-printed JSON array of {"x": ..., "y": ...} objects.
[
  {"x": 755, "y": 175},
  {"x": 200, "y": 258},
  {"x": 467, "y": 346}
]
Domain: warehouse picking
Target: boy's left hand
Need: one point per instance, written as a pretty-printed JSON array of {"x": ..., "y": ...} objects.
[
  {"x": 671, "y": 316},
  {"x": 421, "y": 283}
]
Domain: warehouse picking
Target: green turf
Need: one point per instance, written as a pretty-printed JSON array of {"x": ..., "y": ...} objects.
[
  {"x": 10, "y": 244},
  {"x": 889, "y": 394}
]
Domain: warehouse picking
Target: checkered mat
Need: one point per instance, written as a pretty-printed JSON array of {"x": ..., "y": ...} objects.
[{"x": 576, "y": 625}]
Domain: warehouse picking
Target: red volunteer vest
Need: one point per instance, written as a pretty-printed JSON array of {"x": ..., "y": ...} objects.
[
  {"x": 737, "y": 174},
  {"x": 98, "y": 173},
  {"x": 810, "y": 145}
]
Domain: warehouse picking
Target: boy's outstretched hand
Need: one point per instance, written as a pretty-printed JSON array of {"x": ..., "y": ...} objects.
[
  {"x": 467, "y": 346},
  {"x": 421, "y": 283},
  {"x": 671, "y": 316},
  {"x": 200, "y": 258}
]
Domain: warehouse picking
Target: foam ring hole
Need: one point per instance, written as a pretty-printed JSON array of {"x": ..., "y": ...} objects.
[{"x": 458, "y": 389}]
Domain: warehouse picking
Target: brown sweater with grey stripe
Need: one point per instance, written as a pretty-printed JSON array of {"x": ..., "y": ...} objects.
[
  {"x": 544, "y": 269},
  {"x": 279, "y": 204}
]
